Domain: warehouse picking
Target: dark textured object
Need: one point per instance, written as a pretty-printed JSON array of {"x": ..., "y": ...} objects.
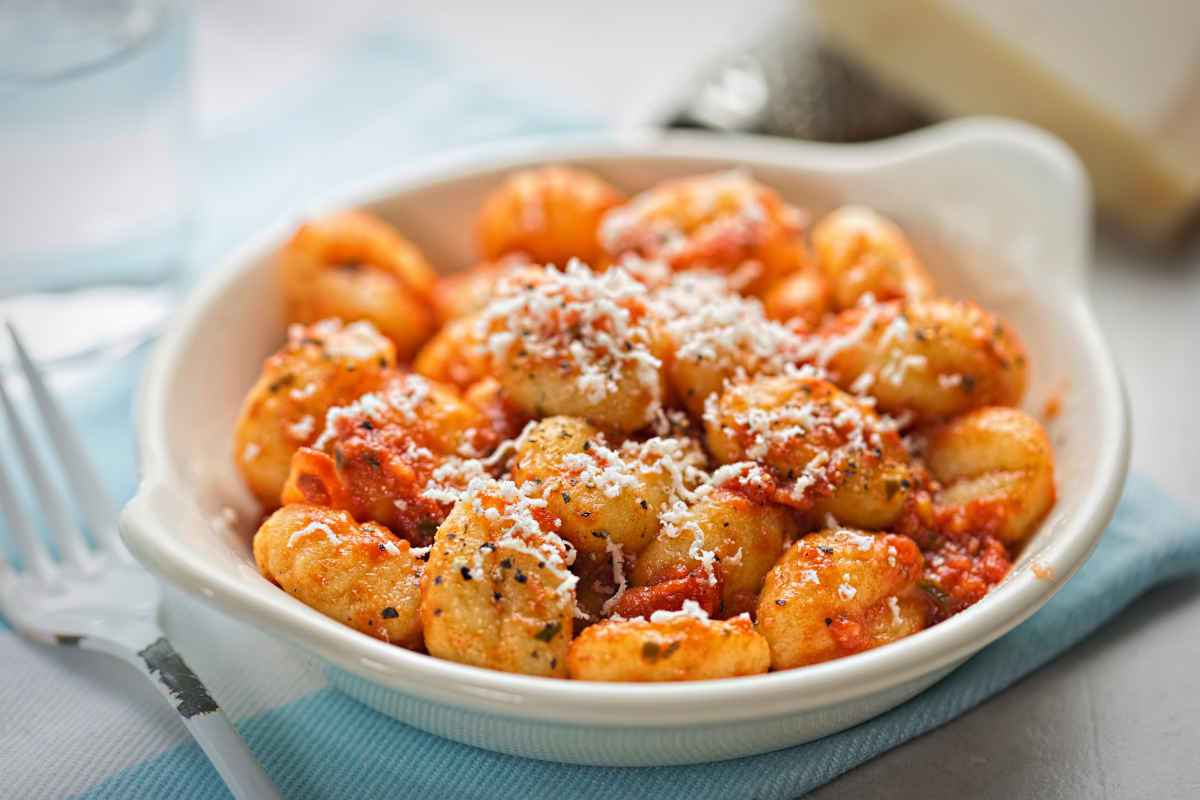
[
  {"x": 189, "y": 694},
  {"x": 790, "y": 84}
]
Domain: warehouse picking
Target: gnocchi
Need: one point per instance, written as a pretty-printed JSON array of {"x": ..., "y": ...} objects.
[
  {"x": 725, "y": 221},
  {"x": 839, "y": 592},
  {"x": 354, "y": 266},
  {"x": 321, "y": 366},
  {"x": 931, "y": 359},
  {"x": 362, "y": 575},
  {"x": 668, "y": 647},
  {"x": 576, "y": 343},
  {"x": 664, "y": 438},
  {"x": 996, "y": 470},
  {"x": 860, "y": 252},
  {"x": 830, "y": 451},
  {"x": 497, "y": 592},
  {"x": 746, "y": 534},
  {"x": 549, "y": 214},
  {"x": 376, "y": 456},
  {"x": 606, "y": 497}
]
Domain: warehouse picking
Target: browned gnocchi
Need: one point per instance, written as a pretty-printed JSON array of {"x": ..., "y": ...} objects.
[
  {"x": 354, "y": 266},
  {"x": 930, "y": 358},
  {"x": 669, "y": 438},
  {"x": 497, "y": 592},
  {"x": 376, "y": 457},
  {"x": 670, "y": 646},
  {"x": 549, "y": 214},
  {"x": 362, "y": 575},
  {"x": 996, "y": 470},
  {"x": 745, "y": 535},
  {"x": 831, "y": 453},
  {"x": 839, "y": 592},
  {"x": 861, "y": 253},
  {"x": 576, "y": 343},
  {"x": 605, "y": 496},
  {"x": 321, "y": 366},
  {"x": 725, "y": 221}
]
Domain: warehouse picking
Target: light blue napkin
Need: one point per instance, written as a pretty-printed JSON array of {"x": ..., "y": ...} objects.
[{"x": 390, "y": 99}]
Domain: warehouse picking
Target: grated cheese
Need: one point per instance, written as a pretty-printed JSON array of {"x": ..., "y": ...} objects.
[
  {"x": 302, "y": 428},
  {"x": 617, "y": 554},
  {"x": 690, "y": 610},
  {"x": 311, "y": 528}
]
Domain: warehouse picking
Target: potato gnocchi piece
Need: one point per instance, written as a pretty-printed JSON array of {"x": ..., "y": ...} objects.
[
  {"x": 996, "y": 470},
  {"x": 831, "y": 453},
  {"x": 455, "y": 354},
  {"x": 361, "y": 575},
  {"x": 576, "y": 343},
  {"x": 745, "y": 535},
  {"x": 714, "y": 336},
  {"x": 725, "y": 221},
  {"x": 551, "y": 214},
  {"x": 605, "y": 496},
  {"x": 464, "y": 294},
  {"x": 377, "y": 457},
  {"x": 321, "y": 366},
  {"x": 802, "y": 297},
  {"x": 497, "y": 592},
  {"x": 860, "y": 252},
  {"x": 670, "y": 646},
  {"x": 931, "y": 358},
  {"x": 354, "y": 266},
  {"x": 839, "y": 592}
]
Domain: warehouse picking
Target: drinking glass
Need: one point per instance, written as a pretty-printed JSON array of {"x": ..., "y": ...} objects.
[{"x": 95, "y": 136}]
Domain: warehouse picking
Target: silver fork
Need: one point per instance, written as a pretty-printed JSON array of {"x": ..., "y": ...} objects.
[{"x": 99, "y": 598}]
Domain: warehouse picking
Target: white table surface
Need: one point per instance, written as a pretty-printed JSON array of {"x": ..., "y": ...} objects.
[{"x": 1117, "y": 717}]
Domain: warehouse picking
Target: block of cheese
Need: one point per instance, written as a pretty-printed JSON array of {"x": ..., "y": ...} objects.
[{"x": 1118, "y": 80}]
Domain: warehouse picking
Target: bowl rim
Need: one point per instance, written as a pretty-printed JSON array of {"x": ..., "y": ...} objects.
[{"x": 144, "y": 520}]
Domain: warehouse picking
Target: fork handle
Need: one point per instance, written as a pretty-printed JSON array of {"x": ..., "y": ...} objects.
[{"x": 212, "y": 730}]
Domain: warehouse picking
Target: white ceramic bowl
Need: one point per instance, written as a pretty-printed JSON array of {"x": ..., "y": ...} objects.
[{"x": 999, "y": 210}]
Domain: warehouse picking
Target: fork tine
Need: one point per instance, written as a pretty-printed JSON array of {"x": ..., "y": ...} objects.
[
  {"x": 83, "y": 477},
  {"x": 29, "y": 544},
  {"x": 71, "y": 545}
]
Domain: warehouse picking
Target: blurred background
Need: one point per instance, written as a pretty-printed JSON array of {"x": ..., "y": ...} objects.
[{"x": 140, "y": 139}]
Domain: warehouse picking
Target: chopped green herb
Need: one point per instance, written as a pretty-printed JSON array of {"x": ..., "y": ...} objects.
[{"x": 548, "y": 631}]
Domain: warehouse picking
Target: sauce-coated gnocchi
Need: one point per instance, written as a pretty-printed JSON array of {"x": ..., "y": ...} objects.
[{"x": 675, "y": 437}]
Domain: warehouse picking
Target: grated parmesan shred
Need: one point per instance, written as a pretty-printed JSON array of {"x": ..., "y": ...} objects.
[
  {"x": 311, "y": 528},
  {"x": 691, "y": 610},
  {"x": 617, "y": 554}
]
